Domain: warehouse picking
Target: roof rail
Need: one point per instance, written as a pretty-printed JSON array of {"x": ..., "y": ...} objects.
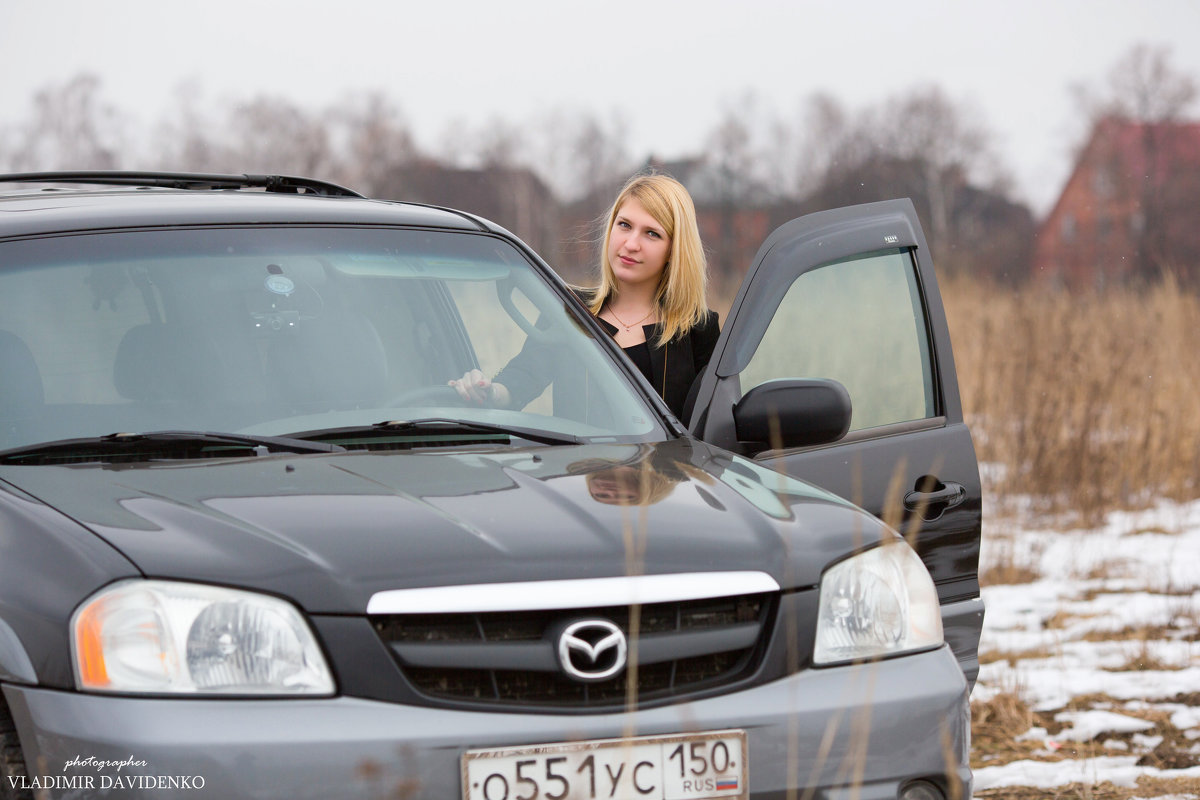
[{"x": 186, "y": 180}]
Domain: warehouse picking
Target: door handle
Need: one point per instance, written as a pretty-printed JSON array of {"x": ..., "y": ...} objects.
[{"x": 934, "y": 503}]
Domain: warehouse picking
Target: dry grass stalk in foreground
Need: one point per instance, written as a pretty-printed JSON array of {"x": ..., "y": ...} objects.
[{"x": 1086, "y": 402}]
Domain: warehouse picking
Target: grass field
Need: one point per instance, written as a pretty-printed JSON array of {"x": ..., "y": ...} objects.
[
  {"x": 1084, "y": 414},
  {"x": 1080, "y": 404}
]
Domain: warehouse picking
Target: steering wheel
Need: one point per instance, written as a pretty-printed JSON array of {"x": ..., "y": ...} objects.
[{"x": 436, "y": 394}]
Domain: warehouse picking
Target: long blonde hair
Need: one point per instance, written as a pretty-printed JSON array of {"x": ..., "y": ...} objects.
[{"x": 680, "y": 298}]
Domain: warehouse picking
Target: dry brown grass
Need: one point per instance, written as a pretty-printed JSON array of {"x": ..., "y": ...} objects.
[
  {"x": 1010, "y": 560},
  {"x": 1111, "y": 568},
  {"x": 1065, "y": 619},
  {"x": 1007, "y": 572},
  {"x": 998, "y": 723},
  {"x": 1086, "y": 401},
  {"x": 1144, "y": 659},
  {"x": 995, "y": 726},
  {"x": 1134, "y": 633},
  {"x": 1146, "y": 787},
  {"x": 1014, "y": 656}
]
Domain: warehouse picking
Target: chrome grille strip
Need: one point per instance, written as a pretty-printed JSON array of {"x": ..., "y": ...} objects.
[{"x": 566, "y": 594}]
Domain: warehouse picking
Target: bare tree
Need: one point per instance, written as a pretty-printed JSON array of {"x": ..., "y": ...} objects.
[
  {"x": 919, "y": 144},
  {"x": 454, "y": 146},
  {"x": 578, "y": 152},
  {"x": 499, "y": 143},
  {"x": 745, "y": 147},
  {"x": 274, "y": 135},
  {"x": 186, "y": 137},
  {"x": 923, "y": 145},
  {"x": 1143, "y": 85},
  {"x": 926, "y": 129},
  {"x": 261, "y": 135},
  {"x": 72, "y": 127},
  {"x": 812, "y": 145},
  {"x": 740, "y": 185},
  {"x": 372, "y": 136},
  {"x": 600, "y": 151},
  {"x": 1146, "y": 170},
  {"x": 495, "y": 143},
  {"x": 574, "y": 152},
  {"x": 727, "y": 186},
  {"x": 729, "y": 150},
  {"x": 7, "y": 147}
]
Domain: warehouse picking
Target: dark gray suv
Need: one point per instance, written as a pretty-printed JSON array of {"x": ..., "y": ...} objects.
[{"x": 252, "y": 544}]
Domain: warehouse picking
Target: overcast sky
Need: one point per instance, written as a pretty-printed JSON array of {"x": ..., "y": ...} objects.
[{"x": 668, "y": 67}]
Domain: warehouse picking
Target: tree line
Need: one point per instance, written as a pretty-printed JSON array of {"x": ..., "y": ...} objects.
[{"x": 920, "y": 143}]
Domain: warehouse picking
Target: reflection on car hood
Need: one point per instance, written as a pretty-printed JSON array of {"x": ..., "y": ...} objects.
[{"x": 331, "y": 530}]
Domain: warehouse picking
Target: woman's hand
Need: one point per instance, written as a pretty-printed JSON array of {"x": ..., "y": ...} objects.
[{"x": 476, "y": 389}]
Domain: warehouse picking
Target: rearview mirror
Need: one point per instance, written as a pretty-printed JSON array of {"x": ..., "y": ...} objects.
[{"x": 792, "y": 412}]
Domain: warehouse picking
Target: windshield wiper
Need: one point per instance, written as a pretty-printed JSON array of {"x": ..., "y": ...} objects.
[
  {"x": 159, "y": 444},
  {"x": 433, "y": 431}
]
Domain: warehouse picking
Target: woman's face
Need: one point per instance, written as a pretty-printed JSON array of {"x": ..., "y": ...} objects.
[
  {"x": 619, "y": 486},
  {"x": 638, "y": 247}
]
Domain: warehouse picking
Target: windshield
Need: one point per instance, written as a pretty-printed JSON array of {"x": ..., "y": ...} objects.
[{"x": 273, "y": 330}]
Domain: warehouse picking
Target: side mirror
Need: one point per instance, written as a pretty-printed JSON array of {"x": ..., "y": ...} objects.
[{"x": 792, "y": 412}]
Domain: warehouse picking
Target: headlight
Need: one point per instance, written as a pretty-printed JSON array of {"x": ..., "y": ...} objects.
[
  {"x": 878, "y": 603},
  {"x": 166, "y": 637}
]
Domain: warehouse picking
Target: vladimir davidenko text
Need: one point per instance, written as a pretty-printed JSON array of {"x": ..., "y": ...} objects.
[
  {"x": 60, "y": 782},
  {"x": 103, "y": 781}
]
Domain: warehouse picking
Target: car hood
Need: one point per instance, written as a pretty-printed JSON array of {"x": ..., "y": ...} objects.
[{"x": 329, "y": 531}]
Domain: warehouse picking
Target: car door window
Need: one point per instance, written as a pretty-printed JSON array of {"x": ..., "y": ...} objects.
[{"x": 859, "y": 322}]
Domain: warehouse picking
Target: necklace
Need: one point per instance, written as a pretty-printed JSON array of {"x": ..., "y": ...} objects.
[{"x": 631, "y": 325}]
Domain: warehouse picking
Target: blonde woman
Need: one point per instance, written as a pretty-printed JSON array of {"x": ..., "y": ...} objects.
[
  {"x": 651, "y": 298},
  {"x": 643, "y": 482}
]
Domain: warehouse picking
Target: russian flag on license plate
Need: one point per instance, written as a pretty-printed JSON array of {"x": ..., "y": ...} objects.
[{"x": 726, "y": 783}]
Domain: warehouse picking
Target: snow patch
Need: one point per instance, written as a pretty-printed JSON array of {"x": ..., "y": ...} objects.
[
  {"x": 1119, "y": 770},
  {"x": 1114, "y": 614},
  {"x": 1087, "y": 725}
]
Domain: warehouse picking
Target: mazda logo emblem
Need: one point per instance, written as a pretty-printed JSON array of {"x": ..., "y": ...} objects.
[{"x": 592, "y": 650}]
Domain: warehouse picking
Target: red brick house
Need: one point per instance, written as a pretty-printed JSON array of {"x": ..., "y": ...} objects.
[{"x": 1129, "y": 211}]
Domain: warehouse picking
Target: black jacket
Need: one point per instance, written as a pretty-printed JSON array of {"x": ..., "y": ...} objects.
[{"x": 674, "y": 365}]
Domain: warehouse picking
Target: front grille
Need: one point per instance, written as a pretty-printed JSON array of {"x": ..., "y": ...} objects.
[{"x": 510, "y": 658}]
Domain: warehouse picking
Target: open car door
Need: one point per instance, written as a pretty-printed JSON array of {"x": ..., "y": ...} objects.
[{"x": 848, "y": 298}]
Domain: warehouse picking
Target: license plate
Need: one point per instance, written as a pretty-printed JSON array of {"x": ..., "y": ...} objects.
[{"x": 693, "y": 766}]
